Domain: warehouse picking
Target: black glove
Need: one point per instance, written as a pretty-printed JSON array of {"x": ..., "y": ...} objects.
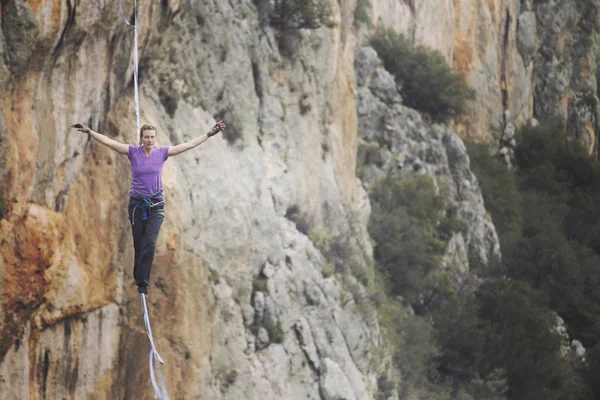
[
  {"x": 81, "y": 128},
  {"x": 216, "y": 129}
]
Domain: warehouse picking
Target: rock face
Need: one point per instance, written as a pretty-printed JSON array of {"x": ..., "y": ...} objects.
[
  {"x": 250, "y": 296},
  {"x": 514, "y": 53},
  {"x": 411, "y": 146}
]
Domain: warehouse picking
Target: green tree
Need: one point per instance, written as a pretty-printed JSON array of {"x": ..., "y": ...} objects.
[
  {"x": 508, "y": 327},
  {"x": 499, "y": 188},
  {"x": 288, "y": 15},
  {"x": 428, "y": 83},
  {"x": 523, "y": 341},
  {"x": 404, "y": 219}
]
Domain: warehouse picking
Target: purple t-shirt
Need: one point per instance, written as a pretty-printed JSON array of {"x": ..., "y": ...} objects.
[{"x": 146, "y": 171}]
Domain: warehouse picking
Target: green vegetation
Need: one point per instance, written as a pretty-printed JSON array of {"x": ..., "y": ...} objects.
[
  {"x": 291, "y": 15},
  {"x": 548, "y": 223},
  {"x": 288, "y": 17},
  {"x": 428, "y": 83},
  {"x": 363, "y": 12},
  {"x": 368, "y": 153},
  {"x": 499, "y": 189},
  {"x": 506, "y": 330},
  {"x": 361, "y": 273},
  {"x": 501, "y": 342},
  {"x": 411, "y": 226},
  {"x": 411, "y": 343}
]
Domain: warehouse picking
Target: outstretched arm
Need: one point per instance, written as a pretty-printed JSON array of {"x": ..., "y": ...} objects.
[
  {"x": 180, "y": 148},
  {"x": 105, "y": 140}
]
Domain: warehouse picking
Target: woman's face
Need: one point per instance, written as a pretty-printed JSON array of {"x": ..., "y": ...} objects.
[{"x": 148, "y": 139}]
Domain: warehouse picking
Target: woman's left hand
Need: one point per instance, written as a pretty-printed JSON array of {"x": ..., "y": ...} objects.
[{"x": 217, "y": 128}]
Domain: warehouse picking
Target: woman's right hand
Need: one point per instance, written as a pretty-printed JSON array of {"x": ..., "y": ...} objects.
[{"x": 81, "y": 128}]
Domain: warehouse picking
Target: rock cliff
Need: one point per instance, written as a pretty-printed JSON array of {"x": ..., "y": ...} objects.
[{"x": 251, "y": 295}]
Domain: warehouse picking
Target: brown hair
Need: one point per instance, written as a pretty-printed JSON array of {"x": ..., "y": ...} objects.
[{"x": 146, "y": 127}]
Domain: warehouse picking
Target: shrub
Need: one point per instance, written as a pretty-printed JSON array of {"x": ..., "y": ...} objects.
[
  {"x": 363, "y": 11},
  {"x": 336, "y": 249},
  {"x": 411, "y": 344},
  {"x": 368, "y": 153},
  {"x": 405, "y": 220},
  {"x": 522, "y": 340},
  {"x": 287, "y": 17},
  {"x": 361, "y": 273},
  {"x": 291, "y": 15},
  {"x": 505, "y": 339},
  {"x": 385, "y": 388},
  {"x": 428, "y": 83},
  {"x": 499, "y": 189}
]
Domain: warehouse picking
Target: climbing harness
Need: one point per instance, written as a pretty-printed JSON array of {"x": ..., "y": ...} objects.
[{"x": 147, "y": 203}]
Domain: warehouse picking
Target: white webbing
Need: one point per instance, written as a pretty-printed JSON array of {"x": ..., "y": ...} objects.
[
  {"x": 135, "y": 63},
  {"x": 160, "y": 388}
]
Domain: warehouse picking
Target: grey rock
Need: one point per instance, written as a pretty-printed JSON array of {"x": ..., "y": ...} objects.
[
  {"x": 262, "y": 338},
  {"x": 259, "y": 305},
  {"x": 383, "y": 86},
  {"x": 268, "y": 270},
  {"x": 577, "y": 350},
  {"x": 21, "y": 31},
  {"x": 526, "y": 35},
  {"x": 248, "y": 314},
  {"x": 583, "y": 114},
  {"x": 370, "y": 73},
  {"x": 560, "y": 64},
  {"x": 307, "y": 343},
  {"x": 561, "y": 328},
  {"x": 313, "y": 294},
  {"x": 509, "y": 133},
  {"x": 333, "y": 383},
  {"x": 366, "y": 61}
]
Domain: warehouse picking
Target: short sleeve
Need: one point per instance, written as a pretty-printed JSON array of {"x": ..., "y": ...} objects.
[
  {"x": 165, "y": 151},
  {"x": 130, "y": 154}
]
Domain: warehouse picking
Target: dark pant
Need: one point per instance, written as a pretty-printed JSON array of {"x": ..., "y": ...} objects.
[{"x": 144, "y": 239}]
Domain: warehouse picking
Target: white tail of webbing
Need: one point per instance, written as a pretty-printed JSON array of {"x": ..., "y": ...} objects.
[
  {"x": 135, "y": 63},
  {"x": 148, "y": 328},
  {"x": 123, "y": 14},
  {"x": 160, "y": 388}
]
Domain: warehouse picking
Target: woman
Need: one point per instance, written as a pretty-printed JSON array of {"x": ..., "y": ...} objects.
[{"x": 146, "y": 203}]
